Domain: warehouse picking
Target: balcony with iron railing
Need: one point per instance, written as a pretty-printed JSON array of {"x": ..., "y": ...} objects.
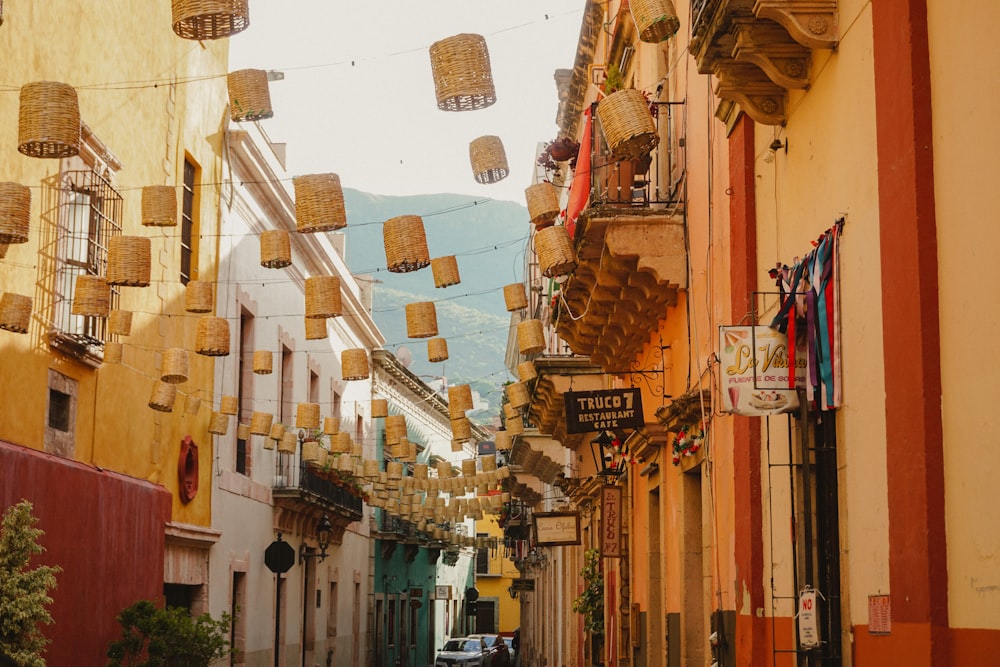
[{"x": 302, "y": 492}]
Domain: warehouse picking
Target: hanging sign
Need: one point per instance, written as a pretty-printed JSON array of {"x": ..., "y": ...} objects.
[
  {"x": 611, "y": 522},
  {"x": 755, "y": 377},
  {"x": 808, "y": 618},
  {"x": 556, "y": 528},
  {"x": 588, "y": 411}
]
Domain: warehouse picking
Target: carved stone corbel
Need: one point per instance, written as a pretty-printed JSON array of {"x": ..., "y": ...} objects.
[
  {"x": 762, "y": 99},
  {"x": 767, "y": 45},
  {"x": 811, "y": 23}
]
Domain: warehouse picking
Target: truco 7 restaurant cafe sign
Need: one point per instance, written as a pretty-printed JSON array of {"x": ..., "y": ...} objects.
[{"x": 588, "y": 411}]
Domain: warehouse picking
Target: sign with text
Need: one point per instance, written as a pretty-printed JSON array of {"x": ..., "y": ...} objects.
[
  {"x": 555, "y": 528},
  {"x": 604, "y": 410},
  {"x": 442, "y": 592},
  {"x": 755, "y": 377},
  {"x": 611, "y": 522},
  {"x": 522, "y": 585},
  {"x": 808, "y": 619}
]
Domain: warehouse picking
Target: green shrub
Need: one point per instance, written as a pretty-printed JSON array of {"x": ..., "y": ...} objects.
[{"x": 155, "y": 637}]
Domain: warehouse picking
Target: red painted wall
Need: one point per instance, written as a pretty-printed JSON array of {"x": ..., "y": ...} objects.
[{"x": 105, "y": 530}]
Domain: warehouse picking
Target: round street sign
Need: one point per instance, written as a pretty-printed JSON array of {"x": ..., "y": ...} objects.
[{"x": 279, "y": 556}]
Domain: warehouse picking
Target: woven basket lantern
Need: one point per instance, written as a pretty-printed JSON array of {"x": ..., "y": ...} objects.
[
  {"x": 462, "y": 77},
  {"x": 120, "y": 322},
  {"x": 243, "y": 432},
  {"x": 323, "y": 297},
  {"x": 159, "y": 206},
  {"x": 48, "y": 124},
  {"x": 394, "y": 470},
  {"x": 510, "y": 412},
  {"x": 263, "y": 361},
  {"x": 655, "y": 20},
  {"x": 112, "y": 352},
  {"x": 530, "y": 337},
  {"x": 249, "y": 96},
  {"x": 461, "y": 429},
  {"x": 319, "y": 203},
  {"x": 331, "y": 425},
  {"x": 163, "y": 396},
  {"x": 288, "y": 443},
  {"x": 307, "y": 415},
  {"x": 517, "y": 394},
  {"x": 175, "y": 366},
  {"x": 277, "y": 431},
  {"x": 421, "y": 320},
  {"x": 129, "y": 261},
  {"x": 192, "y": 404},
  {"x": 260, "y": 423},
  {"x": 627, "y": 124},
  {"x": 275, "y": 249},
  {"x": 489, "y": 462},
  {"x": 15, "y": 312},
  {"x": 555, "y": 251},
  {"x": 395, "y": 428},
  {"x": 489, "y": 160},
  {"x": 502, "y": 440},
  {"x": 437, "y": 350},
  {"x": 526, "y": 371},
  {"x": 459, "y": 399},
  {"x": 228, "y": 405},
  {"x": 515, "y": 426},
  {"x": 543, "y": 203},
  {"x": 15, "y": 212},
  {"x": 209, "y": 19},
  {"x": 445, "y": 270},
  {"x": 310, "y": 451},
  {"x": 468, "y": 467},
  {"x": 212, "y": 337},
  {"x": 405, "y": 244},
  {"x": 315, "y": 328},
  {"x": 198, "y": 297},
  {"x": 515, "y": 296},
  {"x": 354, "y": 364},
  {"x": 218, "y": 423},
  {"x": 341, "y": 442},
  {"x": 380, "y": 408},
  {"x": 92, "y": 296},
  {"x": 444, "y": 470}
]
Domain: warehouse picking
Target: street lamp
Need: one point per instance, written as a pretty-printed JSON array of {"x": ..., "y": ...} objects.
[
  {"x": 608, "y": 459},
  {"x": 323, "y": 532}
]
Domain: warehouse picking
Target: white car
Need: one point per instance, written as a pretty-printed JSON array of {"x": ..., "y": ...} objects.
[{"x": 464, "y": 651}]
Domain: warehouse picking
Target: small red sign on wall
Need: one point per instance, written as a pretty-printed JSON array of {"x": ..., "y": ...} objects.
[
  {"x": 611, "y": 522},
  {"x": 879, "y": 615}
]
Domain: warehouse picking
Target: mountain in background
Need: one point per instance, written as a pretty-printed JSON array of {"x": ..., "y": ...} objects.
[{"x": 488, "y": 238}]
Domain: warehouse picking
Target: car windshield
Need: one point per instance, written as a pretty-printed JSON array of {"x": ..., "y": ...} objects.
[
  {"x": 466, "y": 645},
  {"x": 473, "y": 646}
]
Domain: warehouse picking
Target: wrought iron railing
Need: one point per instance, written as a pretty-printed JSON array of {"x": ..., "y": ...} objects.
[{"x": 291, "y": 474}]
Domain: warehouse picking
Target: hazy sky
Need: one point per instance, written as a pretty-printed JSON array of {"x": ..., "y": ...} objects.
[{"x": 358, "y": 96}]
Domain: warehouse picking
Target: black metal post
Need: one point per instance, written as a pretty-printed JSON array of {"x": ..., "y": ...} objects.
[{"x": 277, "y": 616}]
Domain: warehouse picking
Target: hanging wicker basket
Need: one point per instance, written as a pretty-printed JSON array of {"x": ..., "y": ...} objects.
[
  {"x": 15, "y": 312},
  {"x": 509, "y": 411},
  {"x": 175, "y": 366},
  {"x": 228, "y": 405},
  {"x": 15, "y": 212},
  {"x": 405, "y": 244},
  {"x": 517, "y": 394},
  {"x": 395, "y": 428},
  {"x": 331, "y": 425},
  {"x": 461, "y": 429},
  {"x": 260, "y": 423},
  {"x": 209, "y": 19},
  {"x": 243, "y": 432},
  {"x": 437, "y": 350},
  {"x": 459, "y": 399},
  {"x": 315, "y": 328},
  {"x": 555, "y": 251},
  {"x": 468, "y": 467},
  {"x": 288, "y": 443},
  {"x": 462, "y": 77},
  {"x": 48, "y": 124},
  {"x": 218, "y": 423},
  {"x": 445, "y": 270},
  {"x": 543, "y": 203},
  {"x": 489, "y": 160},
  {"x": 159, "y": 206},
  {"x": 341, "y": 442},
  {"x": 307, "y": 415},
  {"x": 192, "y": 404},
  {"x": 323, "y": 297},
  {"x": 277, "y": 431},
  {"x": 421, "y": 320},
  {"x": 163, "y": 396},
  {"x": 263, "y": 362},
  {"x": 354, "y": 364},
  {"x": 275, "y": 249},
  {"x": 120, "y": 322},
  {"x": 526, "y": 371},
  {"x": 249, "y": 96},
  {"x": 129, "y": 261},
  {"x": 380, "y": 408},
  {"x": 92, "y": 297},
  {"x": 502, "y": 440},
  {"x": 394, "y": 470},
  {"x": 627, "y": 124},
  {"x": 198, "y": 297},
  {"x": 515, "y": 296},
  {"x": 655, "y": 20},
  {"x": 319, "y": 203},
  {"x": 530, "y": 337},
  {"x": 444, "y": 470},
  {"x": 515, "y": 426},
  {"x": 212, "y": 337},
  {"x": 112, "y": 352}
]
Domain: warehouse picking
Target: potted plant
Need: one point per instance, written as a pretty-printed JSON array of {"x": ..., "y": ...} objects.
[{"x": 563, "y": 149}]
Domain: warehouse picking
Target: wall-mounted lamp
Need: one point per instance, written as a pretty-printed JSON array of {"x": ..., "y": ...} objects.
[
  {"x": 774, "y": 147},
  {"x": 323, "y": 532},
  {"x": 608, "y": 460}
]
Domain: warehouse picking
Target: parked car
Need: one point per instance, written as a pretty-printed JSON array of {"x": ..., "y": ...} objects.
[
  {"x": 464, "y": 651},
  {"x": 499, "y": 654}
]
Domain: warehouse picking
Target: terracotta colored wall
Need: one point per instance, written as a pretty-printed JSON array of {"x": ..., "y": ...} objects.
[{"x": 100, "y": 527}]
